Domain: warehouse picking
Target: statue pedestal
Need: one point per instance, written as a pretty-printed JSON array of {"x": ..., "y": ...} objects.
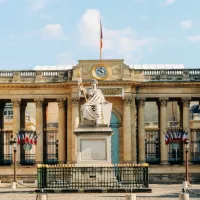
[{"x": 93, "y": 144}]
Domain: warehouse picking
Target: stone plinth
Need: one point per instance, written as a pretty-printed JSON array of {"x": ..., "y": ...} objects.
[{"x": 93, "y": 144}]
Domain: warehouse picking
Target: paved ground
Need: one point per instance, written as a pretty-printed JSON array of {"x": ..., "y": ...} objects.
[{"x": 159, "y": 192}]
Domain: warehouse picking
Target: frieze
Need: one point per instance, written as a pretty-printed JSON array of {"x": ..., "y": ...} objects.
[{"x": 114, "y": 91}]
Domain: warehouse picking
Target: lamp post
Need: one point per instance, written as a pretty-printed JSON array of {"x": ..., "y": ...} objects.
[
  {"x": 14, "y": 143},
  {"x": 187, "y": 142}
]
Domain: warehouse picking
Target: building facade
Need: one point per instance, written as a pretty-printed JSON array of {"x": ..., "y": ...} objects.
[{"x": 147, "y": 103}]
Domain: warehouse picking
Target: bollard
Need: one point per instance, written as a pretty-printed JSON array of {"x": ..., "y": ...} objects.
[
  {"x": 185, "y": 184},
  {"x": 13, "y": 185},
  {"x": 41, "y": 196},
  {"x": 131, "y": 197},
  {"x": 184, "y": 196}
]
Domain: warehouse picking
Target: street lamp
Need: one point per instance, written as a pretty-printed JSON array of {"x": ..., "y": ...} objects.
[
  {"x": 13, "y": 142},
  {"x": 187, "y": 143}
]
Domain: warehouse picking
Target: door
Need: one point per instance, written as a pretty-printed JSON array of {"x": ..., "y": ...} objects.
[{"x": 114, "y": 124}]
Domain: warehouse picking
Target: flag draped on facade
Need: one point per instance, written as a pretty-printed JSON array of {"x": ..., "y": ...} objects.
[{"x": 175, "y": 136}]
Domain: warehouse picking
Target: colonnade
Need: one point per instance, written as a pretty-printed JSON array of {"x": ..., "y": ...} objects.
[{"x": 68, "y": 119}]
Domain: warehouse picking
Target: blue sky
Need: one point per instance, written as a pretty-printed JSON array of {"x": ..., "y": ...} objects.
[{"x": 60, "y": 32}]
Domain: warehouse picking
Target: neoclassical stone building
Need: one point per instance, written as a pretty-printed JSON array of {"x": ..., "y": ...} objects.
[{"x": 161, "y": 96}]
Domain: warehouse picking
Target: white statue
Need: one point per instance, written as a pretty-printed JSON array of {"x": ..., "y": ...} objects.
[{"x": 96, "y": 107}]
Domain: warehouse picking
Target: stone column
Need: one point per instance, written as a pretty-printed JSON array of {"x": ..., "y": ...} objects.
[
  {"x": 16, "y": 123},
  {"x": 127, "y": 129},
  {"x": 141, "y": 130},
  {"x": 133, "y": 131},
  {"x": 163, "y": 129},
  {"x": 186, "y": 121},
  {"x": 2, "y": 105},
  {"x": 45, "y": 135},
  {"x": 22, "y": 126},
  {"x": 61, "y": 131},
  {"x": 75, "y": 123},
  {"x": 180, "y": 117},
  {"x": 39, "y": 130}
]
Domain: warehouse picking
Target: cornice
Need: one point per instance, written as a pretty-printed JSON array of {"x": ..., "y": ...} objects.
[
  {"x": 169, "y": 84},
  {"x": 69, "y": 84},
  {"x": 65, "y": 84}
]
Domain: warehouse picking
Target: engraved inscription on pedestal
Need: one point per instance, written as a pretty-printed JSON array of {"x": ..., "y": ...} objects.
[{"x": 93, "y": 149}]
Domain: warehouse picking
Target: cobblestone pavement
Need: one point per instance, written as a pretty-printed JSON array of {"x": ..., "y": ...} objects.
[{"x": 159, "y": 192}]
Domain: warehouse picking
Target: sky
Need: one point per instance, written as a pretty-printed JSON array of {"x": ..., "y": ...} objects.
[{"x": 61, "y": 32}]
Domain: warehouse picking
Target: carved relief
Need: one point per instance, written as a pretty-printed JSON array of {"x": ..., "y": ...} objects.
[
  {"x": 39, "y": 102},
  {"x": 163, "y": 101},
  {"x": 61, "y": 103},
  {"x": 141, "y": 101},
  {"x": 127, "y": 100},
  {"x": 75, "y": 100},
  {"x": 16, "y": 102},
  {"x": 186, "y": 101}
]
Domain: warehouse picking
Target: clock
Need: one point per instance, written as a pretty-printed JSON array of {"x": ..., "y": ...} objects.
[{"x": 101, "y": 71}]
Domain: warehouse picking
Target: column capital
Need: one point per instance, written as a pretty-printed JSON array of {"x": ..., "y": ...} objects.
[
  {"x": 141, "y": 101},
  {"x": 186, "y": 101},
  {"x": 163, "y": 101},
  {"x": 75, "y": 100},
  {"x": 38, "y": 102},
  {"x": 127, "y": 100},
  {"x": 16, "y": 102},
  {"x": 61, "y": 102}
]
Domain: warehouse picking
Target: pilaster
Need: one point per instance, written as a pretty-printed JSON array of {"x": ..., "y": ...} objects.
[{"x": 127, "y": 100}]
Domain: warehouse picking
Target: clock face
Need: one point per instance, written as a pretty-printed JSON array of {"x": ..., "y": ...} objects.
[{"x": 101, "y": 71}]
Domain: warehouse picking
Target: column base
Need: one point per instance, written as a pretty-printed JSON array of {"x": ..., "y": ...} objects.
[
  {"x": 42, "y": 197},
  {"x": 184, "y": 196},
  {"x": 164, "y": 163},
  {"x": 131, "y": 197},
  {"x": 14, "y": 185}
]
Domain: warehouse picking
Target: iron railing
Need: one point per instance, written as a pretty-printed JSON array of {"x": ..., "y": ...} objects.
[
  {"x": 6, "y": 152},
  {"x": 27, "y": 159},
  {"x": 175, "y": 158},
  {"x": 152, "y": 146},
  {"x": 82, "y": 178},
  {"x": 5, "y": 159},
  {"x": 195, "y": 152}
]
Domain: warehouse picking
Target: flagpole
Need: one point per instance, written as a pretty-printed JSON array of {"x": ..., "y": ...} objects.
[{"x": 101, "y": 38}]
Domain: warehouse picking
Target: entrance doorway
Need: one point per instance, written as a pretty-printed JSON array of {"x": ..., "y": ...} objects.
[{"x": 114, "y": 124}]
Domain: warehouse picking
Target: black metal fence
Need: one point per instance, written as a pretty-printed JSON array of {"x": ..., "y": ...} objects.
[
  {"x": 82, "y": 178},
  {"x": 152, "y": 146},
  {"x": 5, "y": 147}
]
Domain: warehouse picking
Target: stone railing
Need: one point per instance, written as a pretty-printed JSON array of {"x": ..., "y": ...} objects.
[
  {"x": 33, "y": 76},
  {"x": 169, "y": 74}
]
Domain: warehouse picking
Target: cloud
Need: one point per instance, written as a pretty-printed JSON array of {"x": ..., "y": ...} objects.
[
  {"x": 53, "y": 31},
  {"x": 186, "y": 24},
  {"x": 37, "y": 5},
  {"x": 120, "y": 42},
  {"x": 195, "y": 38},
  {"x": 170, "y": 1},
  {"x": 50, "y": 31}
]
